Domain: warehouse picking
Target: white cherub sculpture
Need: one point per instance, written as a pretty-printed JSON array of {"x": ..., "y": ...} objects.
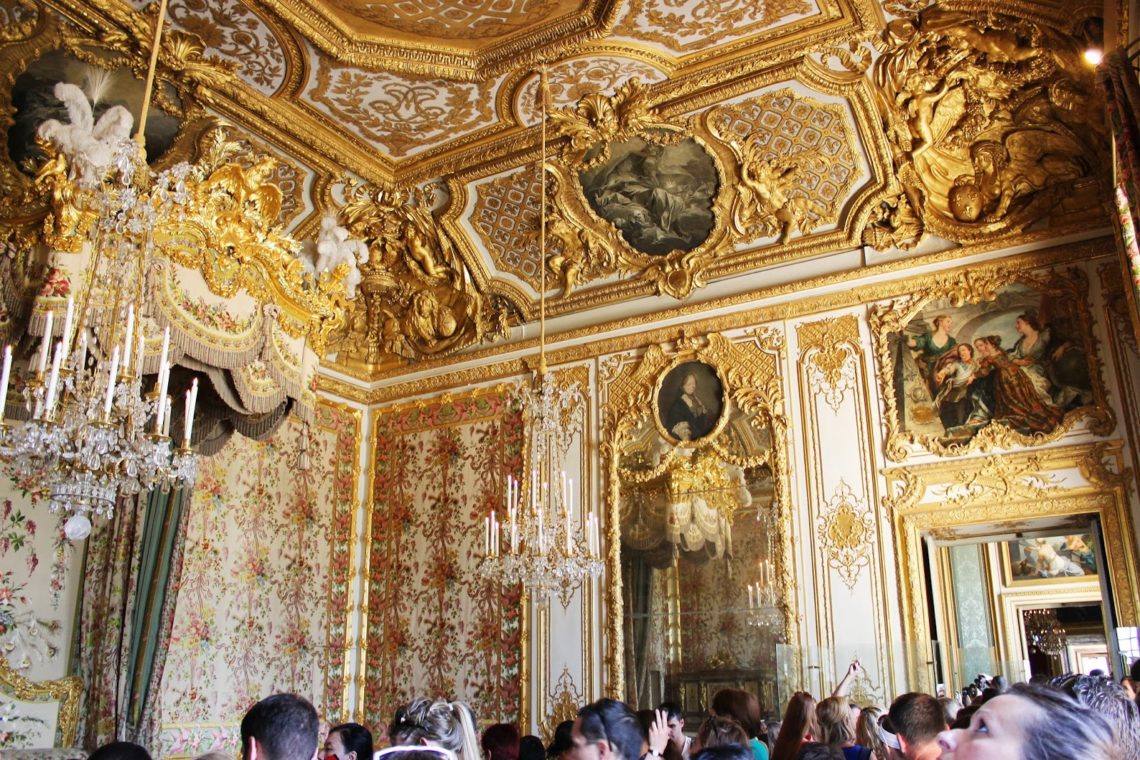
[
  {"x": 91, "y": 146},
  {"x": 332, "y": 248}
]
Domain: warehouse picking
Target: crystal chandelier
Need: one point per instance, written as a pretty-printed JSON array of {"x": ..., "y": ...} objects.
[
  {"x": 1044, "y": 632},
  {"x": 543, "y": 544},
  {"x": 84, "y": 431},
  {"x": 763, "y": 603}
]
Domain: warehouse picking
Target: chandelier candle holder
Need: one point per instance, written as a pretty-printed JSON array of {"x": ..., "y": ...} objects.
[
  {"x": 1044, "y": 632},
  {"x": 544, "y": 549},
  {"x": 87, "y": 433},
  {"x": 763, "y": 604}
]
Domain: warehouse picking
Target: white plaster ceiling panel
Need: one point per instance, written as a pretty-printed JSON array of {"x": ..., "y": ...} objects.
[
  {"x": 572, "y": 80},
  {"x": 691, "y": 26},
  {"x": 401, "y": 114},
  {"x": 232, "y": 31}
]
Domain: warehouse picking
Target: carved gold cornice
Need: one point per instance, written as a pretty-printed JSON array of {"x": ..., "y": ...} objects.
[
  {"x": 582, "y": 347},
  {"x": 67, "y": 691}
]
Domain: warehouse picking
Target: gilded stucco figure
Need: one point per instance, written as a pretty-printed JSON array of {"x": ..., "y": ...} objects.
[
  {"x": 992, "y": 121},
  {"x": 417, "y": 297}
]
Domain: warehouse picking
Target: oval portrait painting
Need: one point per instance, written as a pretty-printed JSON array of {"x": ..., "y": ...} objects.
[
  {"x": 660, "y": 197},
  {"x": 690, "y": 401}
]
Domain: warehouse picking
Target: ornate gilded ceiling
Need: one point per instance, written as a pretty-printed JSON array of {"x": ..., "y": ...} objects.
[{"x": 690, "y": 141}]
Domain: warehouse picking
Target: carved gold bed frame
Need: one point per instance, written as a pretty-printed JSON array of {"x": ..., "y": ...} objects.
[{"x": 66, "y": 690}]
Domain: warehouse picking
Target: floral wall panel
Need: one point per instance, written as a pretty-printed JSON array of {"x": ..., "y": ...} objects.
[
  {"x": 39, "y": 580},
  {"x": 434, "y": 628},
  {"x": 264, "y": 593}
]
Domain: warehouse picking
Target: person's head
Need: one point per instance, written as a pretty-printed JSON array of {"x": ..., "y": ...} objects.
[
  {"x": 1103, "y": 695},
  {"x": 121, "y": 751},
  {"x": 500, "y": 742},
  {"x": 606, "y": 730},
  {"x": 530, "y": 748},
  {"x": 215, "y": 754},
  {"x": 348, "y": 741},
  {"x": 742, "y": 706},
  {"x": 917, "y": 719},
  {"x": 280, "y": 727},
  {"x": 689, "y": 384},
  {"x": 943, "y": 322},
  {"x": 725, "y": 752},
  {"x": 1134, "y": 671},
  {"x": 950, "y": 708},
  {"x": 1031, "y": 722},
  {"x": 676, "y": 721},
  {"x": 833, "y": 715},
  {"x": 562, "y": 741},
  {"x": 1027, "y": 324},
  {"x": 965, "y": 352},
  {"x": 798, "y": 724},
  {"x": 867, "y": 731},
  {"x": 440, "y": 723},
  {"x": 819, "y": 751},
  {"x": 717, "y": 731}
]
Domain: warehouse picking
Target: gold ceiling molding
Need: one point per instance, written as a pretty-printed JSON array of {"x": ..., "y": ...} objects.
[
  {"x": 418, "y": 298},
  {"x": 993, "y": 123},
  {"x": 1009, "y": 488},
  {"x": 674, "y": 25},
  {"x": 582, "y": 343},
  {"x": 415, "y": 38},
  {"x": 751, "y": 372},
  {"x": 978, "y": 285}
]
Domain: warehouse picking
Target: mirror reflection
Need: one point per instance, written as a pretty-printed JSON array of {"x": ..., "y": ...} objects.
[{"x": 697, "y": 558}]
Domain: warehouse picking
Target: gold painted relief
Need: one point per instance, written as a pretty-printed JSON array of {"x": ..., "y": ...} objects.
[
  {"x": 987, "y": 358},
  {"x": 233, "y": 31},
  {"x": 686, "y": 27},
  {"x": 640, "y": 195},
  {"x": 561, "y": 705},
  {"x": 845, "y": 530},
  {"x": 506, "y": 218},
  {"x": 570, "y": 81},
  {"x": 829, "y": 350},
  {"x": 18, "y": 20},
  {"x": 993, "y": 123},
  {"x": 417, "y": 297},
  {"x": 789, "y": 145},
  {"x": 287, "y": 176},
  {"x": 754, "y": 440},
  {"x": 398, "y": 112},
  {"x": 1003, "y": 490}
]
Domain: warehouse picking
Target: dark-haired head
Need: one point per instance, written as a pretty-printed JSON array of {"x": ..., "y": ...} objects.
[
  {"x": 717, "y": 731},
  {"x": 725, "y": 752},
  {"x": 349, "y": 741},
  {"x": 742, "y": 706},
  {"x": 610, "y": 722},
  {"x": 918, "y": 719},
  {"x": 280, "y": 727},
  {"x": 819, "y": 751},
  {"x": 500, "y": 742},
  {"x": 1108, "y": 698},
  {"x": 563, "y": 740},
  {"x": 121, "y": 751},
  {"x": 530, "y": 748}
]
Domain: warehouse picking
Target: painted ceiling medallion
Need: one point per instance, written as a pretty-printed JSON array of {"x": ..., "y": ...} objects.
[{"x": 464, "y": 41}]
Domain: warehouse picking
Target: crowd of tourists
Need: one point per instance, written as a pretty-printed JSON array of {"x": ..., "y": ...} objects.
[{"x": 1078, "y": 716}]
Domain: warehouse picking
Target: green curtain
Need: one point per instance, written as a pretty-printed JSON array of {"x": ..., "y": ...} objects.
[{"x": 129, "y": 592}]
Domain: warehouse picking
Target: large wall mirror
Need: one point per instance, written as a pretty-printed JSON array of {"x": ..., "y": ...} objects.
[{"x": 696, "y": 468}]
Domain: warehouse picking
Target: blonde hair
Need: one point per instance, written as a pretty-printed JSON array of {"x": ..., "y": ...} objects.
[
  {"x": 835, "y": 725},
  {"x": 450, "y": 725}
]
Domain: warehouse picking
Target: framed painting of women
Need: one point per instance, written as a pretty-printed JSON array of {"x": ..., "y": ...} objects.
[{"x": 690, "y": 402}]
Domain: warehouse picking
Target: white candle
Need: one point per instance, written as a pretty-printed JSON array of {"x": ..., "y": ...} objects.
[
  {"x": 111, "y": 377},
  {"x": 45, "y": 345},
  {"x": 67, "y": 317},
  {"x": 191, "y": 405},
  {"x": 4, "y": 379},
  {"x": 565, "y": 493},
  {"x": 486, "y": 536},
  {"x": 53, "y": 380},
  {"x": 141, "y": 351},
  {"x": 166, "y": 417},
  {"x": 128, "y": 341}
]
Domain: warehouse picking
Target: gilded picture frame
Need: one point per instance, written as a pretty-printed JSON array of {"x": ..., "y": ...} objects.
[
  {"x": 687, "y": 416},
  {"x": 986, "y": 358},
  {"x": 1068, "y": 558}
]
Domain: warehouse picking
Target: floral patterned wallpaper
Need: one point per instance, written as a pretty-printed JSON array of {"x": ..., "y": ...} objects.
[
  {"x": 264, "y": 594},
  {"x": 434, "y": 628},
  {"x": 38, "y": 585}
]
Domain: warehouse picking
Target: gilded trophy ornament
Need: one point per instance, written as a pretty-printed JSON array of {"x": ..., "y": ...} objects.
[
  {"x": 417, "y": 297},
  {"x": 992, "y": 122}
]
